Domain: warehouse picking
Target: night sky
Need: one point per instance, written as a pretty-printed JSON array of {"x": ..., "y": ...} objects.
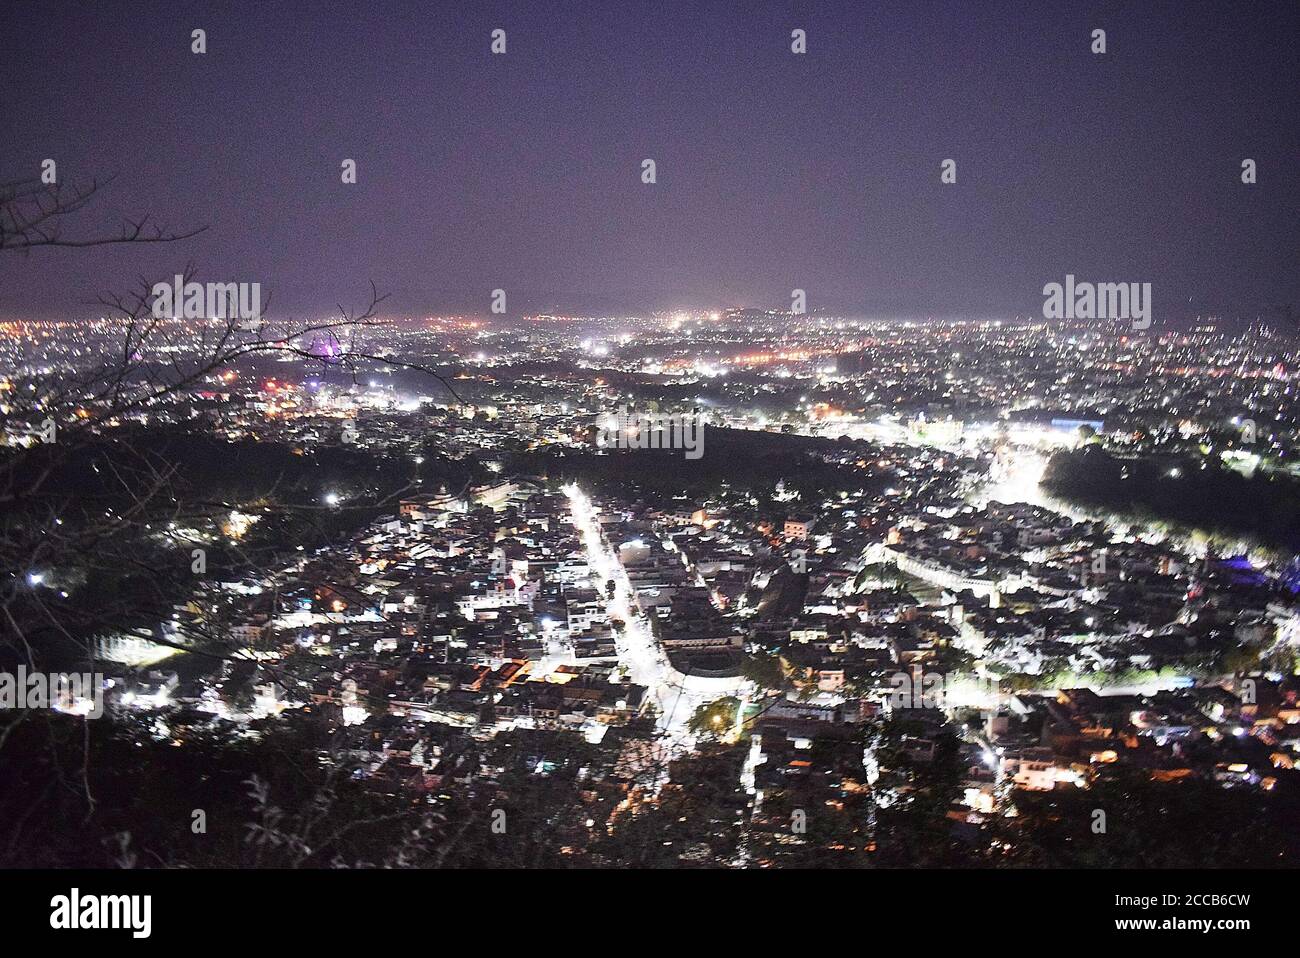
[{"x": 775, "y": 171}]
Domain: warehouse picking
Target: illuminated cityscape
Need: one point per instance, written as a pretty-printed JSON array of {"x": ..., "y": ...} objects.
[
  {"x": 509, "y": 469},
  {"x": 897, "y": 556}
]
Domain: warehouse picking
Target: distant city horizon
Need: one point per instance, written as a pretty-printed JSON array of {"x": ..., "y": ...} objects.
[{"x": 1277, "y": 318}]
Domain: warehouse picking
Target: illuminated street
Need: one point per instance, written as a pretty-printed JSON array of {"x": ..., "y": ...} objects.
[{"x": 676, "y": 695}]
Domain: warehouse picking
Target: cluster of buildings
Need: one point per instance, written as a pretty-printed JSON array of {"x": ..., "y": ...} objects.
[{"x": 892, "y": 605}]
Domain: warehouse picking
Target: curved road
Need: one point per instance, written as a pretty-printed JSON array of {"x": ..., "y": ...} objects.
[{"x": 677, "y": 694}]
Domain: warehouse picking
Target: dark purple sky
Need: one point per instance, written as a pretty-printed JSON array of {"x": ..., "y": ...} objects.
[{"x": 775, "y": 171}]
